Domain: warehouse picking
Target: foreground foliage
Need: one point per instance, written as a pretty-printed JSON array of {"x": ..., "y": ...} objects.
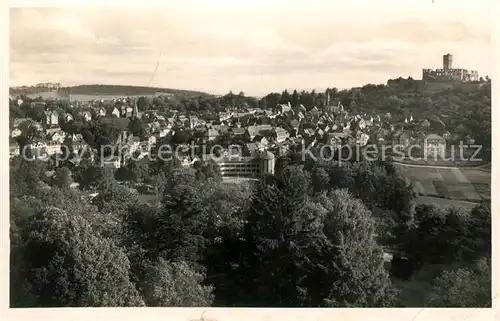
[{"x": 310, "y": 236}]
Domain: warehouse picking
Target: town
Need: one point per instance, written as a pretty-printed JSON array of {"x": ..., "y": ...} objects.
[
  {"x": 276, "y": 131},
  {"x": 259, "y": 130},
  {"x": 294, "y": 161}
]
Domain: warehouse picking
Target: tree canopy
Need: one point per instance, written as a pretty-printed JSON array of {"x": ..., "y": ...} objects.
[{"x": 314, "y": 234}]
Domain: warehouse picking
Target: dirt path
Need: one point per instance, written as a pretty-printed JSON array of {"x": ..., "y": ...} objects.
[{"x": 485, "y": 167}]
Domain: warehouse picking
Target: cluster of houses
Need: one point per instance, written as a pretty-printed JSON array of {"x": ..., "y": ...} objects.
[
  {"x": 287, "y": 126},
  {"x": 277, "y": 131}
]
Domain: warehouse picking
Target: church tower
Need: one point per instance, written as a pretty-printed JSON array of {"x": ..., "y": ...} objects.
[{"x": 135, "y": 111}]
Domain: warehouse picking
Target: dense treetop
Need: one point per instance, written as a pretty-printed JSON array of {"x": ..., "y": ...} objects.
[
  {"x": 314, "y": 234},
  {"x": 307, "y": 236}
]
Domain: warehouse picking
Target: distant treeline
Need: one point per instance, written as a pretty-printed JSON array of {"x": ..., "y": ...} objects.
[{"x": 107, "y": 90}]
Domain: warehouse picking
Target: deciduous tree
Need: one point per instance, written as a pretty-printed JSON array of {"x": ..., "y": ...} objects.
[
  {"x": 68, "y": 265},
  {"x": 467, "y": 287},
  {"x": 175, "y": 284}
]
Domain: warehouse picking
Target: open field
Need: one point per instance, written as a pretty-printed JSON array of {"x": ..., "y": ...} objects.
[
  {"x": 455, "y": 157},
  {"x": 481, "y": 179},
  {"x": 445, "y": 203},
  {"x": 453, "y": 183},
  {"x": 239, "y": 181},
  {"x": 147, "y": 198},
  {"x": 84, "y": 97},
  {"x": 48, "y": 95},
  {"x": 87, "y": 98}
]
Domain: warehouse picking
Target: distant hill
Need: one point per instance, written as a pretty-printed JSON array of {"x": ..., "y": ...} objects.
[
  {"x": 128, "y": 90},
  {"x": 96, "y": 90}
]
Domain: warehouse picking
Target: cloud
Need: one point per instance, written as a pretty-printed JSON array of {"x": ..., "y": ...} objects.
[
  {"x": 421, "y": 31},
  {"x": 258, "y": 49}
]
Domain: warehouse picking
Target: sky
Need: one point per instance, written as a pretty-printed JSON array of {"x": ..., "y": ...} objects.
[{"x": 254, "y": 50}]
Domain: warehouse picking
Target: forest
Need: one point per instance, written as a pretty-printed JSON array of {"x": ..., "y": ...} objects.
[
  {"x": 312, "y": 235},
  {"x": 463, "y": 112}
]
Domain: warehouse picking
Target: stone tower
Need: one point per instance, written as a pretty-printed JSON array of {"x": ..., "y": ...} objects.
[{"x": 447, "y": 62}]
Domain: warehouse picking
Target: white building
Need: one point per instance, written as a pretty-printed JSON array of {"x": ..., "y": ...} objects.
[
  {"x": 434, "y": 147},
  {"x": 164, "y": 132},
  {"x": 14, "y": 150},
  {"x": 58, "y": 137},
  {"x": 52, "y": 119},
  {"x": 225, "y": 116},
  {"x": 186, "y": 162},
  {"x": 152, "y": 140},
  {"x": 87, "y": 116},
  {"x": 281, "y": 134},
  {"x": 362, "y": 139},
  {"x": 112, "y": 163},
  {"x": 283, "y": 108},
  {"x": 44, "y": 150},
  {"x": 16, "y": 132},
  {"x": 116, "y": 112},
  {"x": 53, "y": 148},
  {"x": 102, "y": 112}
]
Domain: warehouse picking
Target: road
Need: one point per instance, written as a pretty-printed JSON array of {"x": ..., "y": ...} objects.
[
  {"x": 480, "y": 167},
  {"x": 444, "y": 202}
]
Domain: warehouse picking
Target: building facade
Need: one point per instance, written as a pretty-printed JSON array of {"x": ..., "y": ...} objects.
[
  {"x": 434, "y": 147},
  {"x": 49, "y": 85},
  {"x": 14, "y": 150},
  {"x": 237, "y": 166},
  {"x": 447, "y": 73},
  {"x": 113, "y": 163}
]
